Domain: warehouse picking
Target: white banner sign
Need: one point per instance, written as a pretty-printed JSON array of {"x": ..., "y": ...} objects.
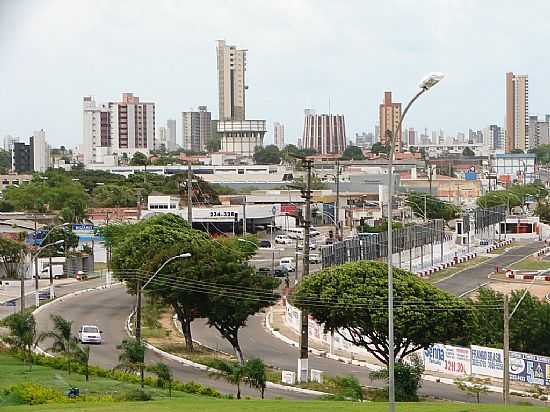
[
  {"x": 452, "y": 360},
  {"x": 288, "y": 377},
  {"x": 487, "y": 361}
]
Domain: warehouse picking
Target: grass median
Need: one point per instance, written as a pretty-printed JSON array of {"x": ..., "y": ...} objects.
[{"x": 532, "y": 263}]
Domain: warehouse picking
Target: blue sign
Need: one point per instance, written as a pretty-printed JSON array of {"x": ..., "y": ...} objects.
[
  {"x": 470, "y": 175},
  {"x": 82, "y": 227},
  {"x": 531, "y": 369}
]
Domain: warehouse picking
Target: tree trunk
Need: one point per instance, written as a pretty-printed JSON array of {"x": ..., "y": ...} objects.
[
  {"x": 238, "y": 390},
  {"x": 263, "y": 391},
  {"x": 185, "y": 318},
  {"x": 87, "y": 373},
  {"x": 477, "y": 396}
]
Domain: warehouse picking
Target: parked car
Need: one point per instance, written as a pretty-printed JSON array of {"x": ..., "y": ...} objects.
[
  {"x": 315, "y": 259},
  {"x": 89, "y": 334},
  {"x": 279, "y": 272},
  {"x": 266, "y": 244},
  {"x": 312, "y": 245},
  {"x": 264, "y": 270},
  {"x": 80, "y": 275},
  {"x": 288, "y": 263},
  {"x": 283, "y": 240}
]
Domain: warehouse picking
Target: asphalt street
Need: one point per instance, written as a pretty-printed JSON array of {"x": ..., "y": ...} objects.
[
  {"x": 470, "y": 279},
  {"x": 109, "y": 310}
]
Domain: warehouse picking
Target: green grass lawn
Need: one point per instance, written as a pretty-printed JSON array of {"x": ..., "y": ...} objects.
[
  {"x": 215, "y": 405},
  {"x": 461, "y": 266},
  {"x": 532, "y": 263},
  {"x": 13, "y": 371}
]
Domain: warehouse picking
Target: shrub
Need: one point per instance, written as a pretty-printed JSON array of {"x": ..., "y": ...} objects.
[
  {"x": 133, "y": 395},
  {"x": 34, "y": 394}
]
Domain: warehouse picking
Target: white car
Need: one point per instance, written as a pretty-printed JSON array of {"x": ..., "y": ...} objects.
[
  {"x": 283, "y": 240},
  {"x": 315, "y": 259},
  {"x": 288, "y": 263},
  {"x": 89, "y": 334},
  {"x": 312, "y": 245}
]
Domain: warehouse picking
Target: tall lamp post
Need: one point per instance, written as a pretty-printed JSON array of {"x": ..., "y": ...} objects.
[
  {"x": 36, "y": 276},
  {"x": 140, "y": 292},
  {"x": 428, "y": 82},
  {"x": 52, "y": 289}
]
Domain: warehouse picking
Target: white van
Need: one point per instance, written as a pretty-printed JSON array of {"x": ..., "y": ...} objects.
[
  {"x": 298, "y": 232},
  {"x": 288, "y": 263}
]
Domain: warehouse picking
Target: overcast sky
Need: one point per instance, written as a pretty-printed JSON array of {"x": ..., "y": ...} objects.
[{"x": 301, "y": 53}]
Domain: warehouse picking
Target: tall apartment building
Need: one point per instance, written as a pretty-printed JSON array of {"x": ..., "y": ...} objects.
[
  {"x": 40, "y": 151},
  {"x": 538, "y": 131},
  {"x": 231, "y": 81},
  {"x": 364, "y": 140},
  {"x": 517, "y": 109},
  {"x": 119, "y": 128},
  {"x": 32, "y": 157},
  {"x": 237, "y": 134},
  {"x": 196, "y": 129},
  {"x": 325, "y": 133},
  {"x": 412, "y": 136},
  {"x": 161, "y": 139},
  {"x": 390, "y": 113},
  {"x": 9, "y": 141},
  {"x": 279, "y": 135},
  {"x": 171, "y": 135}
]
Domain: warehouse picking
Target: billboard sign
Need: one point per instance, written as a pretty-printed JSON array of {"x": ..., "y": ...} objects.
[
  {"x": 487, "y": 361},
  {"x": 527, "y": 368},
  {"x": 453, "y": 360}
]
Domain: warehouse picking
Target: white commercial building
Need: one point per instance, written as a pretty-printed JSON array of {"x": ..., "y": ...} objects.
[{"x": 196, "y": 129}]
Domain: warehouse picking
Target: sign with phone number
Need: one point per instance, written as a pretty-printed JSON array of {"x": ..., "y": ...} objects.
[{"x": 454, "y": 360}]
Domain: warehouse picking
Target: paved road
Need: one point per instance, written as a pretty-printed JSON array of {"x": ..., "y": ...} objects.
[
  {"x": 109, "y": 309},
  {"x": 469, "y": 279}
]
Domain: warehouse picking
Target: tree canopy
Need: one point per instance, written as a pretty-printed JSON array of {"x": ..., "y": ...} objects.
[
  {"x": 468, "y": 152},
  {"x": 435, "y": 208},
  {"x": 201, "y": 285},
  {"x": 513, "y": 196},
  {"x": 351, "y": 300},
  {"x": 268, "y": 155},
  {"x": 11, "y": 257},
  {"x": 353, "y": 153},
  {"x": 139, "y": 159},
  {"x": 542, "y": 152},
  {"x": 5, "y": 161},
  {"x": 378, "y": 148}
]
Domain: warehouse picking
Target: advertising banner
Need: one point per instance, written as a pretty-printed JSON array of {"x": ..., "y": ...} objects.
[
  {"x": 453, "y": 360},
  {"x": 527, "y": 368},
  {"x": 487, "y": 361}
]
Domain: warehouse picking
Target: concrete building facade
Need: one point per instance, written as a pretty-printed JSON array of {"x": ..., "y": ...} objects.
[
  {"x": 40, "y": 151},
  {"x": 390, "y": 113},
  {"x": 171, "y": 135},
  {"x": 279, "y": 135},
  {"x": 517, "y": 109},
  {"x": 325, "y": 133},
  {"x": 196, "y": 129}
]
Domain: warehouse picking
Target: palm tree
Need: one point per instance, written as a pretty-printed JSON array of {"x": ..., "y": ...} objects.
[
  {"x": 63, "y": 341},
  {"x": 81, "y": 354},
  {"x": 255, "y": 375},
  {"x": 164, "y": 376},
  {"x": 22, "y": 328},
  {"x": 232, "y": 372},
  {"x": 132, "y": 356}
]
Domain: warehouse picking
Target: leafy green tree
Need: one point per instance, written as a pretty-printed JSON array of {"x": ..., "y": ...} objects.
[
  {"x": 213, "y": 145},
  {"x": 468, "y": 152},
  {"x": 139, "y": 159},
  {"x": 352, "y": 298},
  {"x": 132, "y": 356},
  {"x": 353, "y": 153},
  {"x": 22, "y": 333},
  {"x": 378, "y": 148},
  {"x": 408, "y": 379},
  {"x": 11, "y": 257},
  {"x": 268, "y": 155},
  {"x": 256, "y": 375},
  {"x": 62, "y": 340},
  {"x": 114, "y": 195},
  {"x": 348, "y": 387},
  {"x": 543, "y": 211},
  {"x": 6, "y": 206},
  {"x": 5, "y": 160},
  {"x": 232, "y": 372},
  {"x": 164, "y": 374},
  {"x": 517, "y": 151},
  {"x": 316, "y": 183},
  {"x": 473, "y": 385},
  {"x": 542, "y": 151},
  {"x": 435, "y": 208}
]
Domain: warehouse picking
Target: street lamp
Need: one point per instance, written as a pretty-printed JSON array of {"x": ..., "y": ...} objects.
[
  {"x": 52, "y": 291},
  {"x": 139, "y": 293},
  {"x": 35, "y": 258},
  {"x": 425, "y": 84}
]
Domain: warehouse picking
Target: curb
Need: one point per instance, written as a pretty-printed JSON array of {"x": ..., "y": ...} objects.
[
  {"x": 430, "y": 378},
  {"x": 200, "y": 366}
]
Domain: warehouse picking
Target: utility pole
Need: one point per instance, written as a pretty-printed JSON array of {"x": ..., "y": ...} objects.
[
  {"x": 506, "y": 347},
  {"x": 425, "y": 207},
  {"x": 244, "y": 217},
  {"x": 339, "y": 234},
  {"x": 138, "y": 323},
  {"x": 189, "y": 195},
  {"x": 22, "y": 299},
  {"x": 304, "y": 336}
]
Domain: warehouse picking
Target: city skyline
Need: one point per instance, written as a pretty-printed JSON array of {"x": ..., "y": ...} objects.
[{"x": 302, "y": 77}]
